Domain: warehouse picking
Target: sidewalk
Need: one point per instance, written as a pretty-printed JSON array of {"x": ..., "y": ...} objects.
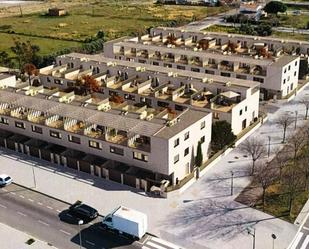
[
  {"x": 203, "y": 216},
  {"x": 15, "y": 239}
]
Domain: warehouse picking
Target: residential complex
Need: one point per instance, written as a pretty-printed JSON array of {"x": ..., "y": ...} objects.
[
  {"x": 227, "y": 55},
  {"x": 233, "y": 100},
  {"x": 159, "y": 141}
]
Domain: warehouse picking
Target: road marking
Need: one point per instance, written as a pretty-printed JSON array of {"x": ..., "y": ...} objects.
[
  {"x": 31, "y": 200},
  {"x": 59, "y": 211},
  {"x": 89, "y": 242},
  {"x": 2, "y": 206},
  {"x": 163, "y": 242},
  {"x": 22, "y": 214},
  {"x": 13, "y": 193},
  {"x": 49, "y": 207},
  {"x": 296, "y": 241},
  {"x": 149, "y": 243},
  {"x": 40, "y": 203},
  {"x": 44, "y": 223},
  {"x": 21, "y": 196},
  {"x": 305, "y": 243},
  {"x": 65, "y": 232}
]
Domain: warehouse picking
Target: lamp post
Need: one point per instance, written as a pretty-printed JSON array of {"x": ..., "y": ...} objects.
[
  {"x": 80, "y": 222},
  {"x": 296, "y": 113},
  {"x": 274, "y": 237},
  {"x": 268, "y": 153},
  {"x": 251, "y": 231},
  {"x": 232, "y": 183}
]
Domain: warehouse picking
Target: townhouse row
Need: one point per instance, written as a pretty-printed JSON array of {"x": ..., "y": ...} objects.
[
  {"x": 152, "y": 141},
  {"x": 274, "y": 64}
]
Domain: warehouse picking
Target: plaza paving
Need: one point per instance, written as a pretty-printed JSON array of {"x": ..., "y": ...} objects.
[{"x": 203, "y": 216}]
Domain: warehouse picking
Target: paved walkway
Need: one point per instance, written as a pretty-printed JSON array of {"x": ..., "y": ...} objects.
[
  {"x": 15, "y": 239},
  {"x": 204, "y": 216}
]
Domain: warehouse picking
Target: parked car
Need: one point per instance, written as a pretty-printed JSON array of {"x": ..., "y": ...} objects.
[
  {"x": 5, "y": 180},
  {"x": 83, "y": 211}
]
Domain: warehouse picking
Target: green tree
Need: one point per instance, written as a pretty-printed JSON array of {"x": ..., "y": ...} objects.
[
  {"x": 274, "y": 7},
  {"x": 199, "y": 155},
  {"x": 25, "y": 52},
  {"x": 5, "y": 60},
  {"x": 222, "y": 135}
]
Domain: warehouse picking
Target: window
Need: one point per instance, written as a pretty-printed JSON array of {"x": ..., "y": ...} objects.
[
  {"x": 4, "y": 120},
  {"x": 195, "y": 69},
  {"x": 285, "y": 70},
  {"x": 284, "y": 81},
  {"x": 74, "y": 139},
  {"x": 289, "y": 67},
  {"x": 140, "y": 156},
  {"x": 202, "y": 139},
  {"x": 162, "y": 104},
  {"x": 116, "y": 150},
  {"x": 155, "y": 63},
  {"x": 95, "y": 144},
  {"x": 288, "y": 78},
  {"x": 167, "y": 65},
  {"x": 246, "y": 108},
  {"x": 176, "y": 142},
  {"x": 203, "y": 124},
  {"x": 186, "y": 151},
  {"x": 239, "y": 76},
  {"x": 176, "y": 158},
  {"x": 295, "y": 73},
  {"x": 36, "y": 129},
  {"x": 141, "y": 61},
  {"x": 181, "y": 67},
  {"x": 20, "y": 125},
  {"x": 55, "y": 134},
  {"x": 240, "y": 112},
  {"x": 261, "y": 80},
  {"x": 209, "y": 71},
  {"x": 216, "y": 115},
  {"x": 58, "y": 82},
  {"x": 48, "y": 79},
  {"x": 225, "y": 74},
  {"x": 187, "y": 135},
  {"x": 295, "y": 63}
]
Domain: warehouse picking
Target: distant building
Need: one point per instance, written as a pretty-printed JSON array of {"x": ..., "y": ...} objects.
[
  {"x": 57, "y": 12},
  {"x": 252, "y": 10}
]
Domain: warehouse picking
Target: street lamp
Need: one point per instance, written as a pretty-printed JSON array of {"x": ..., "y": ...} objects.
[
  {"x": 232, "y": 183},
  {"x": 80, "y": 222},
  {"x": 296, "y": 113},
  {"x": 268, "y": 145},
  {"x": 251, "y": 231},
  {"x": 274, "y": 237}
]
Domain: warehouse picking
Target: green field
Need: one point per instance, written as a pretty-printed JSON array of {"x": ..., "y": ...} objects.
[{"x": 84, "y": 21}]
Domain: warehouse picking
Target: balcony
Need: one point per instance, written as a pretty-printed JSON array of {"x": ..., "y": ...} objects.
[
  {"x": 116, "y": 136},
  {"x": 19, "y": 112},
  {"x": 140, "y": 143},
  {"x": 95, "y": 131}
]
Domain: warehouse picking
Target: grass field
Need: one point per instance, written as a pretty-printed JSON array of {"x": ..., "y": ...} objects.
[{"x": 86, "y": 20}]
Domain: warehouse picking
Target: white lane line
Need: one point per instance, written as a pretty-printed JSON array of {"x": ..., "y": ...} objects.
[
  {"x": 2, "y": 206},
  {"x": 21, "y": 196},
  {"x": 65, "y": 232},
  {"x": 49, "y": 207},
  {"x": 31, "y": 200},
  {"x": 44, "y": 223},
  {"x": 149, "y": 243},
  {"x": 305, "y": 243},
  {"x": 40, "y": 203},
  {"x": 89, "y": 242},
  {"x": 145, "y": 247},
  {"x": 163, "y": 242},
  {"x": 59, "y": 211},
  {"x": 13, "y": 193},
  {"x": 22, "y": 214},
  {"x": 296, "y": 241}
]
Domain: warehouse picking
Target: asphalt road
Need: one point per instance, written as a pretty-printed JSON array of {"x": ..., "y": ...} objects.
[{"x": 39, "y": 216}]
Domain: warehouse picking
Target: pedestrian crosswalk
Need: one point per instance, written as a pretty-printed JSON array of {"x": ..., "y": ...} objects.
[
  {"x": 156, "y": 243},
  {"x": 301, "y": 241}
]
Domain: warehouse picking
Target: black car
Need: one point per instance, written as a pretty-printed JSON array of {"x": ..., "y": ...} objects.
[{"x": 83, "y": 211}]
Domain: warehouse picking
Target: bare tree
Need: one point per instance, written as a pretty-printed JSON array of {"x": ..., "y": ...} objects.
[
  {"x": 264, "y": 176},
  {"x": 303, "y": 164},
  {"x": 296, "y": 143},
  {"x": 255, "y": 148},
  {"x": 284, "y": 121},
  {"x": 306, "y": 103},
  {"x": 291, "y": 180},
  {"x": 282, "y": 159}
]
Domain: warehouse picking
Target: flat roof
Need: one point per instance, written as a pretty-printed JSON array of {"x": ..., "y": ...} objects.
[
  {"x": 5, "y": 76},
  {"x": 181, "y": 73}
]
